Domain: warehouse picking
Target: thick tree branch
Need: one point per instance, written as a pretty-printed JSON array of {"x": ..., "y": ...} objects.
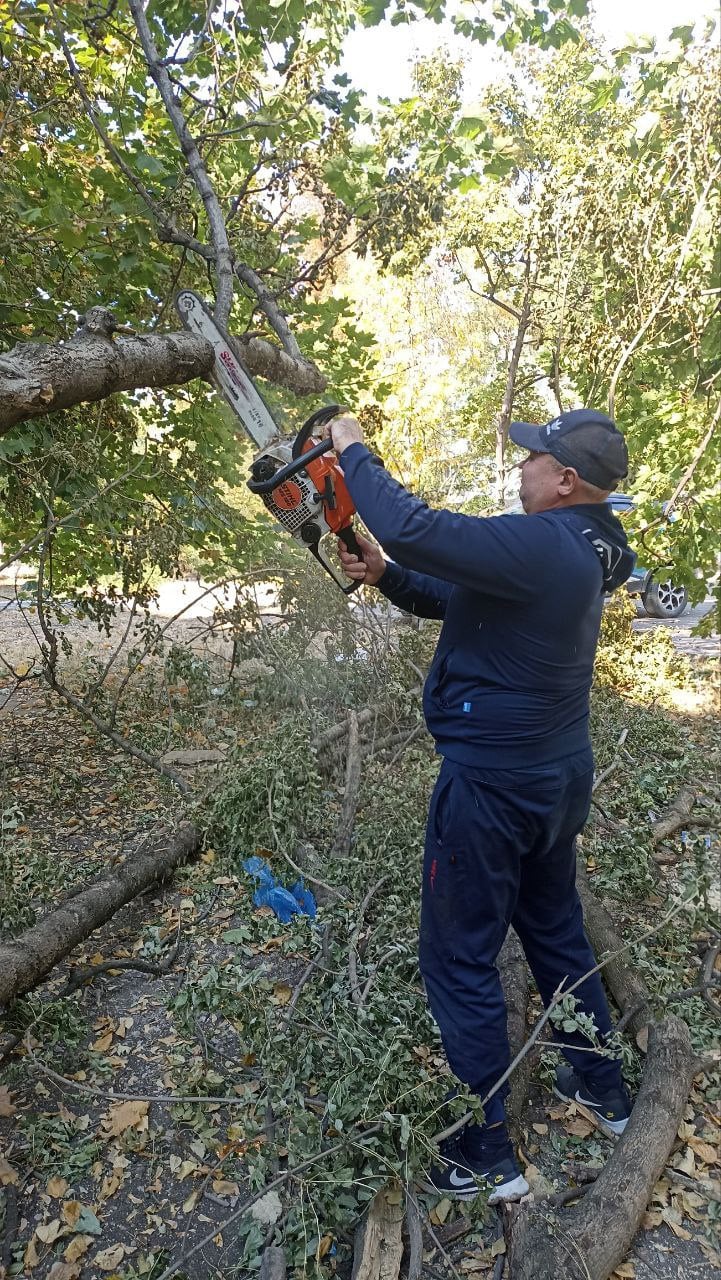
[{"x": 38, "y": 378}]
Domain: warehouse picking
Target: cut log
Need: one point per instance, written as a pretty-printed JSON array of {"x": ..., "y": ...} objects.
[
  {"x": 588, "y": 1241},
  {"x": 514, "y": 979},
  {"x": 626, "y": 986},
  {"x": 26, "y": 960},
  {"x": 378, "y": 1241}
]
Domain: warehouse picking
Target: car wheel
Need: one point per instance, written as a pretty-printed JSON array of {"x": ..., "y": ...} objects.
[{"x": 664, "y": 599}]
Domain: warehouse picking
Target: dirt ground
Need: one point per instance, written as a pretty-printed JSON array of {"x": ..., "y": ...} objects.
[{"x": 97, "y": 1186}]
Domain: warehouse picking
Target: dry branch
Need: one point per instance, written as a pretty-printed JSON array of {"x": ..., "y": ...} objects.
[
  {"x": 344, "y": 832},
  {"x": 26, "y": 960},
  {"x": 588, "y": 1241}
]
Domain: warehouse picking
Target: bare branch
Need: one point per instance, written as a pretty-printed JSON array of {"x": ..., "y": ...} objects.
[{"x": 216, "y": 221}]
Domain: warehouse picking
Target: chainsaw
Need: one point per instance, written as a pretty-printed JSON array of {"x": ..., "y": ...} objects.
[{"x": 301, "y": 487}]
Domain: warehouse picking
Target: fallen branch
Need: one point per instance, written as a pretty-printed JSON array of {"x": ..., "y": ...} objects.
[
  {"x": 355, "y": 989},
  {"x": 514, "y": 980},
  {"x": 591, "y": 1239},
  {"x": 341, "y": 844},
  {"x": 337, "y": 731},
  {"x": 628, "y": 989},
  {"x": 26, "y": 960},
  {"x": 415, "y": 1236},
  {"x": 675, "y": 816}
]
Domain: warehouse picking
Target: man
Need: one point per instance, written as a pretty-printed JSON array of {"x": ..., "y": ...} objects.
[{"x": 507, "y": 701}]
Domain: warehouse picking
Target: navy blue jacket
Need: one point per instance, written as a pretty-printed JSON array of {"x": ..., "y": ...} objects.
[{"x": 520, "y": 598}]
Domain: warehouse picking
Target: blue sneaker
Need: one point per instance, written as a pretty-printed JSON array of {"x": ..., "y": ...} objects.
[
  {"x": 611, "y": 1107},
  {"x": 456, "y": 1175}
]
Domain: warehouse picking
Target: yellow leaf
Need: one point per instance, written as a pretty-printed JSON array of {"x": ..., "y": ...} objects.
[
  {"x": 442, "y": 1210},
  {"x": 7, "y": 1173},
  {"x": 7, "y": 1106},
  {"x": 673, "y": 1220},
  {"x": 77, "y": 1247},
  {"x": 71, "y": 1212},
  {"x": 108, "y": 1259},
  {"x": 224, "y": 1188},
  {"x": 191, "y": 1202},
  {"x": 56, "y": 1188},
  {"x": 110, "y": 1186},
  {"x": 540, "y": 1128},
  {"x": 626, "y": 1271},
  {"x": 103, "y": 1043},
  {"x": 125, "y": 1115},
  {"x": 282, "y": 993},
  {"x": 22, "y": 669},
  {"x": 580, "y": 1127},
  {"x": 63, "y": 1271},
  {"x": 685, "y": 1162},
  {"x": 49, "y": 1231},
  {"x": 704, "y": 1151},
  {"x": 323, "y": 1246},
  {"x": 498, "y": 1247},
  {"x": 31, "y": 1257}
]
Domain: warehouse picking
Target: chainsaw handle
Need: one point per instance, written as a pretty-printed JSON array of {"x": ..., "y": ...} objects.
[
  {"x": 290, "y": 469},
  {"x": 317, "y": 419},
  {"x": 347, "y": 536}
]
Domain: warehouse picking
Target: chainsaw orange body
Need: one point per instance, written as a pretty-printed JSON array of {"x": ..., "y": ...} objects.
[{"x": 302, "y": 485}]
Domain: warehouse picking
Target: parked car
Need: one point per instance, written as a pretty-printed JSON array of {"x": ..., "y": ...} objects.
[{"x": 661, "y": 597}]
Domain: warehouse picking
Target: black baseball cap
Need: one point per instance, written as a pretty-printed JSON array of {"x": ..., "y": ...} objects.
[{"x": 584, "y": 439}]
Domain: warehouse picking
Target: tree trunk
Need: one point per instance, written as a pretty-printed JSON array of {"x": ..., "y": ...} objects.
[
  {"x": 26, "y": 960},
  {"x": 590, "y": 1240}
]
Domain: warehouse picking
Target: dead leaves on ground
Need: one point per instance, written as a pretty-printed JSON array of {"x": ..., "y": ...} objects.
[{"x": 125, "y": 1115}]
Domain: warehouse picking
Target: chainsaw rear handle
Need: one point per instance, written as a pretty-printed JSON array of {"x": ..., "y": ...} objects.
[{"x": 347, "y": 536}]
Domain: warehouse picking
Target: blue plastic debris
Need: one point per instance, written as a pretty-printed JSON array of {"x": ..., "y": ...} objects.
[{"x": 286, "y": 903}]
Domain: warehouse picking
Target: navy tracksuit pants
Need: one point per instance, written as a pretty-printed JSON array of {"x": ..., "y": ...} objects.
[{"x": 500, "y": 851}]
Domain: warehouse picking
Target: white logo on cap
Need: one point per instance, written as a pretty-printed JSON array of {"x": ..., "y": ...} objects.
[{"x": 554, "y": 426}]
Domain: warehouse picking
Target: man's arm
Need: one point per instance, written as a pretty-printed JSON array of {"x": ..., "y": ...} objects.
[
  {"x": 501, "y": 556},
  {"x": 417, "y": 593}
]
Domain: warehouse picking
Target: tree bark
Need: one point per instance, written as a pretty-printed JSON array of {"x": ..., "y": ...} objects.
[
  {"x": 590, "y": 1240},
  {"x": 26, "y": 960},
  {"x": 514, "y": 979},
  {"x": 38, "y": 378},
  {"x": 627, "y": 988},
  {"x": 378, "y": 1243}
]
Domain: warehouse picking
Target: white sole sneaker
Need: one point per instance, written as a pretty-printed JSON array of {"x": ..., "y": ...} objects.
[{"x": 611, "y": 1128}]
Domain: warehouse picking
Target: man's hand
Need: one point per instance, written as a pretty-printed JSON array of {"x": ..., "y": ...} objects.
[
  {"x": 370, "y": 569},
  {"x": 344, "y": 430}
]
